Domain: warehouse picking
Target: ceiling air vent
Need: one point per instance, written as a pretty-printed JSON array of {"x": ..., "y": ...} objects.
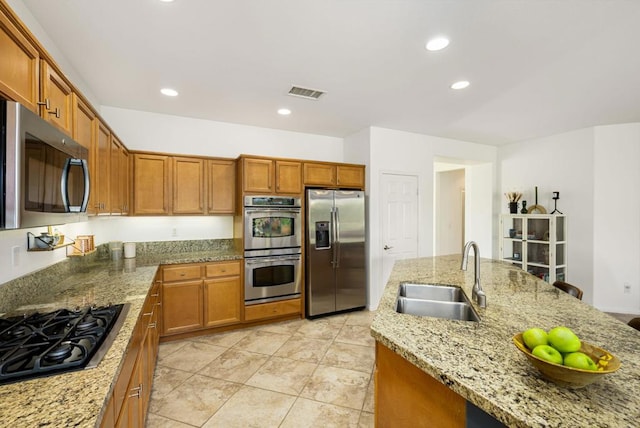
[{"x": 312, "y": 94}]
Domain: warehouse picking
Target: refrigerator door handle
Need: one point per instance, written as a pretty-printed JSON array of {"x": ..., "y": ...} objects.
[
  {"x": 333, "y": 233},
  {"x": 337, "y": 240}
]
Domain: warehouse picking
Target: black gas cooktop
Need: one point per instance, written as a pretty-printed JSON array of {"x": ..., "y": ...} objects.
[{"x": 55, "y": 342}]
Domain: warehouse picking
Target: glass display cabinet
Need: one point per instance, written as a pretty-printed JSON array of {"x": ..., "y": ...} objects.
[{"x": 536, "y": 243}]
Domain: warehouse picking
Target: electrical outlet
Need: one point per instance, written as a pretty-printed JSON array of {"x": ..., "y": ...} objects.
[
  {"x": 15, "y": 256},
  {"x": 174, "y": 232},
  {"x": 627, "y": 288}
]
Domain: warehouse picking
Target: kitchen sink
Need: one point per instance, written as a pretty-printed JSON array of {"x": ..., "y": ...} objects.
[
  {"x": 444, "y": 293},
  {"x": 439, "y": 301}
]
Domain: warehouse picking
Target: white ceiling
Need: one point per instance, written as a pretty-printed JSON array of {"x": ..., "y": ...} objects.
[{"x": 536, "y": 67}]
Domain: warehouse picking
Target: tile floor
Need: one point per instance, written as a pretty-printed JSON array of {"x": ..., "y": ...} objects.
[{"x": 300, "y": 373}]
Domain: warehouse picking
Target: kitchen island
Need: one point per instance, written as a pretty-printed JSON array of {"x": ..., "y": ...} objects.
[
  {"x": 479, "y": 363},
  {"x": 78, "y": 398}
]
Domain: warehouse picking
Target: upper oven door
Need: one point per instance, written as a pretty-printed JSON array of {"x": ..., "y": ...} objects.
[{"x": 268, "y": 228}]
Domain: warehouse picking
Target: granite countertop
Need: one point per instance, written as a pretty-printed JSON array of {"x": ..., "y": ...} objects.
[
  {"x": 480, "y": 362},
  {"x": 77, "y": 398}
]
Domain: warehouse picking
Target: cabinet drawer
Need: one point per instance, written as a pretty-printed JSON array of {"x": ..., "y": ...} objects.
[
  {"x": 179, "y": 273},
  {"x": 270, "y": 310},
  {"x": 222, "y": 269}
]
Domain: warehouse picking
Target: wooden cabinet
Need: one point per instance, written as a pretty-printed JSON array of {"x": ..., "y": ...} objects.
[
  {"x": 261, "y": 175},
  {"x": 182, "y": 298},
  {"x": 257, "y": 175},
  {"x": 100, "y": 185},
  {"x": 272, "y": 310},
  {"x": 182, "y": 185},
  {"x": 56, "y": 98},
  {"x": 288, "y": 177},
  {"x": 151, "y": 184},
  {"x": 119, "y": 177},
  {"x": 188, "y": 185},
  {"x": 408, "y": 397},
  {"x": 333, "y": 175},
  {"x": 19, "y": 66},
  {"x": 197, "y": 296},
  {"x": 125, "y": 180},
  {"x": 222, "y": 294},
  {"x": 319, "y": 174},
  {"x": 350, "y": 176},
  {"x": 221, "y": 186},
  {"x": 127, "y": 406}
]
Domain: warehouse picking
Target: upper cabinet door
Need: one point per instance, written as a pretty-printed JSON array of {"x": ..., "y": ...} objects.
[
  {"x": 188, "y": 185},
  {"x": 288, "y": 177},
  {"x": 319, "y": 174},
  {"x": 350, "y": 176},
  {"x": 19, "y": 66},
  {"x": 221, "y": 186},
  {"x": 257, "y": 175},
  {"x": 151, "y": 184},
  {"x": 56, "y": 98},
  {"x": 100, "y": 184}
]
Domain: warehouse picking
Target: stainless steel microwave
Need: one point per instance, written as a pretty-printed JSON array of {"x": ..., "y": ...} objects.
[{"x": 45, "y": 176}]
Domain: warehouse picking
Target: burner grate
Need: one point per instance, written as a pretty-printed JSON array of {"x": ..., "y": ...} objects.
[{"x": 55, "y": 342}]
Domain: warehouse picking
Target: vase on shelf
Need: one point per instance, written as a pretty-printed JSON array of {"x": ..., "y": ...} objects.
[
  {"x": 513, "y": 207},
  {"x": 524, "y": 208}
]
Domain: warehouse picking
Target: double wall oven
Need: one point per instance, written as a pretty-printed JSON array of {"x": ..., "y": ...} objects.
[{"x": 272, "y": 248}]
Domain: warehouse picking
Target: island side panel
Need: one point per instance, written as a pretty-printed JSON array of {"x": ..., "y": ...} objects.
[{"x": 408, "y": 397}]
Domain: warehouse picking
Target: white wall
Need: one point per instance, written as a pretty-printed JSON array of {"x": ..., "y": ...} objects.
[
  {"x": 449, "y": 206},
  {"x": 616, "y": 218},
  {"x": 561, "y": 163},
  {"x": 480, "y": 223},
  {"x": 408, "y": 153},
  {"x": 596, "y": 171},
  {"x": 156, "y": 132}
]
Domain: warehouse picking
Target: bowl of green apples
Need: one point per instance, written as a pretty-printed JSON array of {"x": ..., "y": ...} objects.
[{"x": 563, "y": 358}]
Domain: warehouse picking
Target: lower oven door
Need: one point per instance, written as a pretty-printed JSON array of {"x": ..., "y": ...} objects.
[{"x": 272, "y": 278}]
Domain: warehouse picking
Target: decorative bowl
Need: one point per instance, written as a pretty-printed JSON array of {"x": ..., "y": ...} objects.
[{"x": 569, "y": 376}]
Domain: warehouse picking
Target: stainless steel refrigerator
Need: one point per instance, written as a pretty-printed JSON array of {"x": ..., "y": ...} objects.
[{"x": 335, "y": 252}]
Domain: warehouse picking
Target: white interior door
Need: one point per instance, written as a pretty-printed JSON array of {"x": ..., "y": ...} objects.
[{"x": 399, "y": 220}]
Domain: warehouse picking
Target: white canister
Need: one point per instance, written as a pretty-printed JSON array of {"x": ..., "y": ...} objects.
[{"x": 129, "y": 250}]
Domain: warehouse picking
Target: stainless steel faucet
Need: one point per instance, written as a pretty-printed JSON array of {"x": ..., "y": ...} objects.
[{"x": 477, "y": 293}]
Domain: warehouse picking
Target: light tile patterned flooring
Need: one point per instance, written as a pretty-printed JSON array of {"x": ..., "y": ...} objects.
[{"x": 301, "y": 373}]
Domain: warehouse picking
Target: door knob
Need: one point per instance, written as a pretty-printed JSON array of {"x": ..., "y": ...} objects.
[{"x": 386, "y": 247}]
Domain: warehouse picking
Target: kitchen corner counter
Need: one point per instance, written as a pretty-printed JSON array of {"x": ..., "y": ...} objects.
[
  {"x": 77, "y": 398},
  {"x": 480, "y": 363}
]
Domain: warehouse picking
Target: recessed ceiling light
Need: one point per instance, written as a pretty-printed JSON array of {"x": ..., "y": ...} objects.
[
  {"x": 437, "y": 44},
  {"x": 284, "y": 111},
  {"x": 460, "y": 85},
  {"x": 166, "y": 1},
  {"x": 169, "y": 92}
]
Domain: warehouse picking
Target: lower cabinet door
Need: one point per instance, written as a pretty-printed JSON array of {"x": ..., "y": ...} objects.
[
  {"x": 222, "y": 301},
  {"x": 182, "y": 307}
]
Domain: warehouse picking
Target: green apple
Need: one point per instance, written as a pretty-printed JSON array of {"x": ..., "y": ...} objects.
[
  {"x": 534, "y": 337},
  {"x": 547, "y": 353},
  {"x": 579, "y": 360},
  {"x": 563, "y": 339}
]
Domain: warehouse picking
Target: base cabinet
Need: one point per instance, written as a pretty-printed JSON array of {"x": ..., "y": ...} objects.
[
  {"x": 201, "y": 295},
  {"x": 129, "y": 401},
  {"x": 407, "y": 397}
]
